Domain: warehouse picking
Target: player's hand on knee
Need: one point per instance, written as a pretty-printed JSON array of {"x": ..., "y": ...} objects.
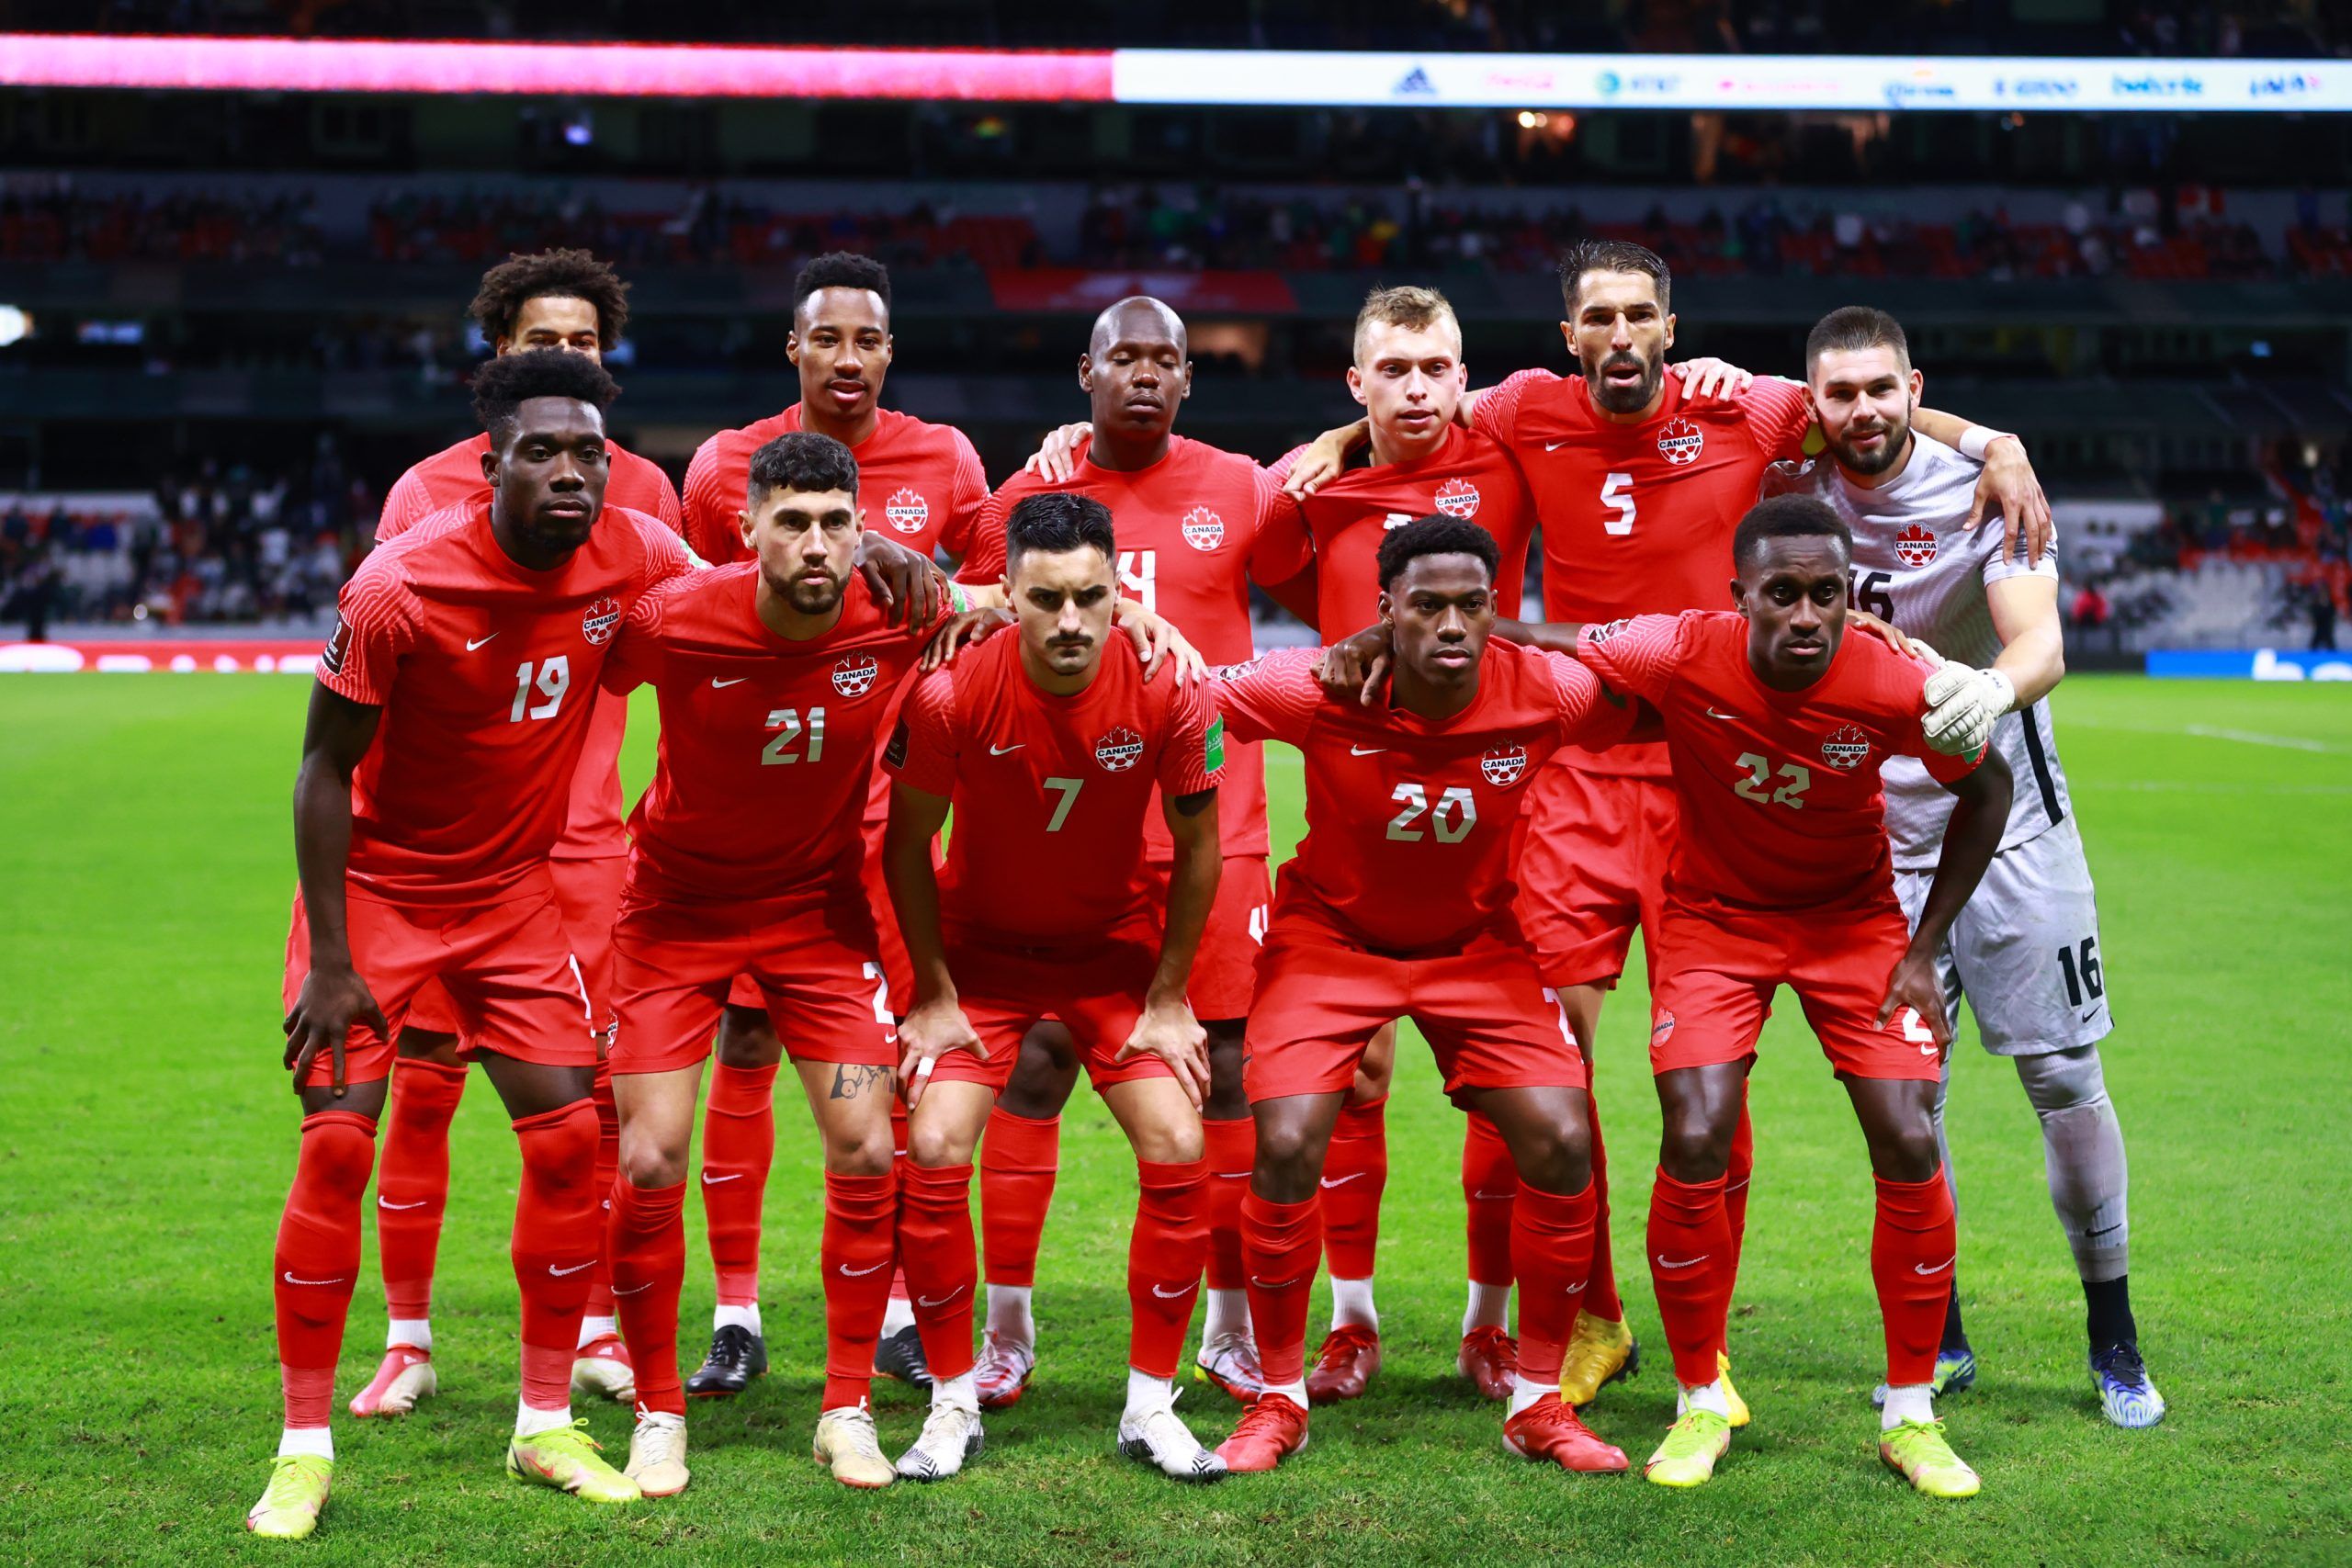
[
  {"x": 1916, "y": 991},
  {"x": 1356, "y": 667},
  {"x": 929, "y": 1033},
  {"x": 1170, "y": 1032},
  {"x": 1707, "y": 377},
  {"x": 331, "y": 1001},
  {"x": 1056, "y": 458}
]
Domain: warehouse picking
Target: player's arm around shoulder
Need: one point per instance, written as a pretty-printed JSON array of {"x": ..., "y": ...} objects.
[
  {"x": 1638, "y": 654},
  {"x": 1273, "y": 697}
]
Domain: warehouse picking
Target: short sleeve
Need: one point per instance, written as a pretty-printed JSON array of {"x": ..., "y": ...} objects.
[
  {"x": 1590, "y": 715},
  {"x": 710, "y": 525},
  {"x": 1779, "y": 413},
  {"x": 666, "y": 556},
  {"x": 1273, "y": 698},
  {"x": 1497, "y": 413},
  {"x": 403, "y": 505},
  {"x": 923, "y": 750},
  {"x": 376, "y": 618},
  {"x": 1193, "y": 759},
  {"x": 967, "y": 494},
  {"x": 2003, "y": 562},
  {"x": 665, "y": 503},
  {"x": 635, "y": 657},
  {"x": 1636, "y": 655},
  {"x": 1281, "y": 467},
  {"x": 984, "y": 558},
  {"x": 1285, "y": 548}
]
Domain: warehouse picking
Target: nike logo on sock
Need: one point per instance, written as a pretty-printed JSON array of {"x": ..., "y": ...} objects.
[
  {"x": 1922, "y": 1268},
  {"x": 384, "y": 1202},
  {"x": 940, "y": 1301},
  {"x": 1666, "y": 1262},
  {"x": 633, "y": 1288},
  {"x": 854, "y": 1273},
  {"x": 1177, "y": 1294},
  {"x": 1272, "y": 1284},
  {"x": 575, "y": 1268},
  {"x": 292, "y": 1280},
  {"x": 1330, "y": 1181},
  {"x": 1494, "y": 1197},
  {"x": 710, "y": 1180}
]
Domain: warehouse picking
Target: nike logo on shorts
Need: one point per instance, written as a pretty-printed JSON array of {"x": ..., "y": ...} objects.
[
  {"x": 1367, "y": 751},
  {"x": 474, "y": 642},
  {"x": 995, "y": 751},
  {"x": 718, "y": 685}
]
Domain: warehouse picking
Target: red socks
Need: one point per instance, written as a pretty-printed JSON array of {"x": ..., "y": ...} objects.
[
  {"x": 1913, "y": 1248},
  {"x": 317, "y": 1261},
  {"x": 943, "y": 1266},
  {"x": 1690, "y": 1268},
  {"x": 1355, "y": 1172},
  {"x": 1551, "y": 1246},
  {"x": 412, "y": 1186},
  {"x": 556, "y": 1242},
  {"x": 1600, "y": 1292},
  {"x": 861, "y": 1214},
  {"x": 1281, "y": 1243},
  {"x": 1489, "y": 1183},
  {"x": 608, "y": 1165},
  {"x": 1165, "y": 1253},
  {"x": 1019, "y": 1157},
  {"x": 1736, "y": 1173},
  {"x": 737, "y": 1146},
  {"x": 646, "y": 1240},
  {"x": 1232, "y": 1150}
]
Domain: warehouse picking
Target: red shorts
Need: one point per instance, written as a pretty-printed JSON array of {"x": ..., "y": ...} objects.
[
  {"x": 897, "y": 967},
  {"x": 1716, "y": 975},
  {"x": 1592, "y": 867},
  {"x": 589, "y": 892},
  {"x": 1095, "y": 987},
  {"x": 1225, "y": 970},
  {"x": 1489, "y": 1018},
  {"x": 505, "y": 969},
  {"x": 812, "y": 968}
]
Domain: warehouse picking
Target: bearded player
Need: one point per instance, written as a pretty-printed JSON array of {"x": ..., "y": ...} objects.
[
  {"x": 922, "y": 487},
  {"x": 2024, "y": 952},
  {"x": 1189, "y": 519},
  {"x": 1052, "y": 748},
  {"x": 565, "y": 300},
  {"x": 1777, "y": 725},
  {"x": 1399, "y": 905},
  {"x": 444, "y": 730},
  {"x": 1639, "y": 482}
]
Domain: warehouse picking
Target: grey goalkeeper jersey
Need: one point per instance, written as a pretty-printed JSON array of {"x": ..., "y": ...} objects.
[{"x": 1917, "y": 567}]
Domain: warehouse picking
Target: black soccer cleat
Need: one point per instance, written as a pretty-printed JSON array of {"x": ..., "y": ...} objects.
[
  {"x": 900, "y": 1355},
  {"x": 736, "y": 1356}
]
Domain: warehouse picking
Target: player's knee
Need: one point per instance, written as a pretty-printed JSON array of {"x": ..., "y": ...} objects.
[
  {"x": 859, "y": 1151},
  {"x": 934, "y": 1146},
  {"x": 1694, "y": 1144},
  {"x": 1174, "y": 1141},
  {"x": 1907, "y": 1151},
  {"x": 648, "y": 1162},
  {"x": 2062, "y": 1081},
  {"x": 1289, "y": 1159},
  {"x": 747, "y": 1040},
  {"x": 1553, "y": 1159}
]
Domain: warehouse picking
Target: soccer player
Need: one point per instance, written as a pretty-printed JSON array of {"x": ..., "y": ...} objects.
[
  {"x": 1399, "y": 905},
  {"x": 923, "y": 486},
  {"x": 565, "y": 300},
  {"x": 1189, "y": 520},
  {"x": 1050, "y": 747},
  {"x": 1409, "y": 375},
  {"x": 1639, "y": 480},
  {"x": 2024, "y": 952},
  {"x": 448, "y": 718},
  {"x": 1777, "y": 725}
]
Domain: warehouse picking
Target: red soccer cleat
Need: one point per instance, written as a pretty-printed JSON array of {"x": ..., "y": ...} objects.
[
  {"x": 1271, "y": 1430},
  {"x": 404, "y": 1377},
  {"x": 1344, "y": 1366},
  {"x": 1548, "y": 1430},
  {"x": 1490, "y": 1358}
]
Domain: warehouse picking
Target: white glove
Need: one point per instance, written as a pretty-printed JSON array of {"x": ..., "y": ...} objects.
[{"x": 1962, "y": 703}]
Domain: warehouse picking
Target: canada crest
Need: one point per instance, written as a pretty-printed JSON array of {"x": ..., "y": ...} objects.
[
  {"x": 1503, "y": 765},
  {"x": 1681, "y": 442},
  {"x": 1458, "y": 498},
  {"x": 855, "y": 675},
  {"x": 601, "y": 619},
  {"x": 1914, "y": 545},
  {"x": 1846, "y": 746},
  {"x": 1119, "y": 751},
  {"x": 1204, "y": 529},
  {"x": 906, "y": 511}
]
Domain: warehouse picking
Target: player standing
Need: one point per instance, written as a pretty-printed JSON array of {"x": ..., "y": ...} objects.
[
  {"x": 1777, "y": 724},
  {"x": 445, "y": 727},
  {"x": 1050, "y": 747},
  {"x": 1189, "y": 519},
  {"x": 1398, "y": 905},
  {"x": 923, "y": 486},
  {"x": 2024, "y": 953},
  {"x": 564, "y": 300}
]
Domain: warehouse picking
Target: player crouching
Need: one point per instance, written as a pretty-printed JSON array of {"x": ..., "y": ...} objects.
[
  {"x": 1048, "y": 746},
  {"x": 1398, "y": 905}
]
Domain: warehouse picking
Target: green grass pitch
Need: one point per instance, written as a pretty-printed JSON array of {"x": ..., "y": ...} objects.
[{"x": 146, "y": 1139}]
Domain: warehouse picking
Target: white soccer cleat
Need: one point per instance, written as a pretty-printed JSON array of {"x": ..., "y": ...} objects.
[
  {"x": 1002, "y": 1372},
  {"x": 403, "y": 1376},
  {"x": 602, "y": 1370},
  {"x": 657, "y": 1454},
  {"x": 1230, "y": 1362},
  {"x": 951, "y": 1434},
  {"x": 846, "y": 1443},
  {"x": 1157, "y": 1438}
]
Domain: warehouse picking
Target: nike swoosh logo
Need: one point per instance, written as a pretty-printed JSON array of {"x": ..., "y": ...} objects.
[
  {"x": 633, "y": 1288},
  {"x": 1230, "y": 1175},
  {"x": 1922, "y": 1268},
  {"x": 575, "y": 1268},
  {"x": 1330, "y": 1181},
  {"x": 1733, "y": 717},
  {"x": 1666, "y": 1262},
  {"x": 1177, "y": 1294},
  {"x": 472, "y": 643},
  {"x": 718, "y": 685},
  {"x": 1494, "y": 1197},
  {"x": 1000, "y": 750},
  {"x": 384, "y": 1202},
  {"x": 710, "y": 1180},
  {"x": 1554, "y": 446},
  {"x": 1580, "y": 1285},
  {"x": 942, "y": 1300},
  {"x": 2092, "y": 1014},
  {"x": 1272, "y": 1284},
  {"x": 1367, "y": 751},
  {"x": 292, "y": 1280},
  {"x": 854, "y": 1273},
  {"x": 1927, "y": 1050}
]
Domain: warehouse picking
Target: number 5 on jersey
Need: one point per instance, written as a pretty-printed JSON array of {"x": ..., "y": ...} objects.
[{"x": 1617, "y": 491}]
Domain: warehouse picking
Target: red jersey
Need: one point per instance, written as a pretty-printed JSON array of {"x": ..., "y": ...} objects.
[
  {"x": 486, "y": 673},
  {"x": 1051, "y": 793},
  {"x": 452, "y": 477},
  {"x": 1779, "y": 791},
  {"x": 767, "y": 745},
  {"x": 1338, "y": 529},
  {"x": 1410, "y": 821},
  {"x": 1638, "y": 518},
  {"x": 919, "y": 483},
  {"x": 1188, "y": 533}
]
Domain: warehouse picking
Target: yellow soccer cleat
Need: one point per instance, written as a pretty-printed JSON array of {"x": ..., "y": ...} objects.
[
  {"x": 1692, "y": 1446},
  {"x": 1916, "y": 1451},
  {"x": 289, "y": 1505},
  {"x": 1738, "y": 1406},
  {"x": 568, "y": 1458},
  {"x": 1600, "y": 1351}
]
